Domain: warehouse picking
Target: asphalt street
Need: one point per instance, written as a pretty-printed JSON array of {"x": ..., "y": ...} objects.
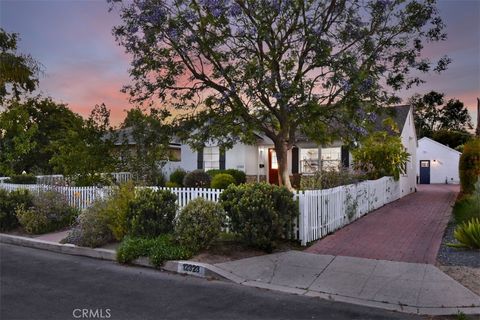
[{"x": 37, "y": 284}]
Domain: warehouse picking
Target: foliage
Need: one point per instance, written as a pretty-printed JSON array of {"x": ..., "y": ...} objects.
[
  {"x": 260, "y": 213},
  {"x": 170, "y": 184},
  {"x": 177, "y": 177},
  {"x": 468, "y": 206},
  {"x": 330, "y": 179},
  {"x": 22, "y": 179},
  {"x": 117, "y": 209},
  {"x": 18, "y": 72},
  {"x": 381, "y": 154},
  {"x": 222, "y": 181},
  {"x": 199, "y": 224},
  {"x": 451, "y": 138},
  {"x": 239, "y": 176},
  {"x": 469, "y": 166},
  {"x": 159, "y": 250},
  {"x": 467, "y": 234},
  {"x": 151, "y": 213},
  {"x": 145, "y": 139},
  {"x": 9, "y": 201},
  {"x": 32, "y": 133},
  {"x": 49, "y": 212},
  {"x": 430, "y": 116},
  {"x": 197, "y": 179},
  {"x": 84, "y": 154},
  {"x": 91, "y": 229},
  {"x": 275, "y": 67}
]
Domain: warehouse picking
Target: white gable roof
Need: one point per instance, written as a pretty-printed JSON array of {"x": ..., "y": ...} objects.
[{"x": 438, "y": 144}]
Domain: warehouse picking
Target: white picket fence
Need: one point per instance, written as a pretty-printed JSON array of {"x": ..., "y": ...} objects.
[
  {"x": 321, "y": 211},
  {"x": 324, "y": 211}
]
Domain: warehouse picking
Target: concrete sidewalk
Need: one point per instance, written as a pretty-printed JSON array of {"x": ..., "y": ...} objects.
[{"x": 408, "y": 287}]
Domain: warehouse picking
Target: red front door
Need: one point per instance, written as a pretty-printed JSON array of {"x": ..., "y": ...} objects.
[{"x": 272, "y": 167}]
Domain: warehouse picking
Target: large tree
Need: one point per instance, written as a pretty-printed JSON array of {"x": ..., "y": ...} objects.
[
  {"x": 84, "y": 154},
  {"x": 284, "y": 67},
  {"x": 28, "y": 132},
  {"x": 431, "y": 115},
  {"x": 18, "y": 72}
]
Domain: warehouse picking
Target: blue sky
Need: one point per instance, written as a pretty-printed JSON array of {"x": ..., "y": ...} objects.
[{"x": 84, "y": 66}]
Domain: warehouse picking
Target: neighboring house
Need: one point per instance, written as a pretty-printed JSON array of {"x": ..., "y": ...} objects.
[
  {"x": 259, "y": 161},
  {"x": 437, "y": 163}
]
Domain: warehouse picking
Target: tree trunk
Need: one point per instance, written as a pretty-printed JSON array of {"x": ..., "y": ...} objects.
[{"x": 281, "y": 150}]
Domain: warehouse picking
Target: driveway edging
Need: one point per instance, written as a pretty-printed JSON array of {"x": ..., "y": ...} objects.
[{"x": 205, "y": 270}]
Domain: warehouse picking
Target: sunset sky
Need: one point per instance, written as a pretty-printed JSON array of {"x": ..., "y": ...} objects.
[{"x": 84, "y": 66}]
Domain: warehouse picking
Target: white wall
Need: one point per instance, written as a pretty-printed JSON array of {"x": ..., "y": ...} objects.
[
  {"x": 188, "y": 158},
  {"x": 443, "y": 161},
  {"x": 408, "y": 181}
]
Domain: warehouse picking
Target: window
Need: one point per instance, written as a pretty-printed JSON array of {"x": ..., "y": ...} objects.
[
  {"x": 331, "y": 158},
  {"x": 174, "y": 154},
  {"x": 211, "y": 158},
  {"x": 308, "y": 160}
]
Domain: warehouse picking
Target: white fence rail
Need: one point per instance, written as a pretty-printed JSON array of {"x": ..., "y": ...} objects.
[
  {"x": 324, "y": 211},
  {"x": 321, "y": 211}
]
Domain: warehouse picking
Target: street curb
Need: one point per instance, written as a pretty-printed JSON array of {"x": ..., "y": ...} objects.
[
  {"x": 208, "y": 271},
  {"x": 104, "y": 254}
]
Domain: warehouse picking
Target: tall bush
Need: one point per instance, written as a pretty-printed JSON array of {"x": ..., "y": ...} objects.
[
  {"x": 222, "y": 181},
  {"x": 197, "y": 179},
  {"x": 92, "y": 228},
  {"x": 151, "y": 213},
  {"x": 239, "y": 176},
  {"x": 49, "y": 212},
  {"x": 469, "y": 165},
  {"x": 199, "y": 223},
  {"x": 9, "y": 201},
  {"x": 260, "y": 213},
  {"x": 116, "y": 209},
  {"x": 177, "y": 177}
]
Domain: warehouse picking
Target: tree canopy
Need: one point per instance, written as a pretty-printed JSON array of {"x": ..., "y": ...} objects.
[
  {"x": 235, "y": 67},
  {"x": 18, "y": 72},
  {"x": 431, "y": 115}
]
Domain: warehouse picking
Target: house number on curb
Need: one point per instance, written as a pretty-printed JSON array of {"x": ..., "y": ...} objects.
[{"x": 191, "y": 269}]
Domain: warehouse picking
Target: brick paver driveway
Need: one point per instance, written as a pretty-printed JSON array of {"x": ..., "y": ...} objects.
[{"x": 408, "y": 230}]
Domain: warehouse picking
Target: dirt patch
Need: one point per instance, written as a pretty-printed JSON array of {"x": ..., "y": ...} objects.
[
  {"x": 224, "y": 251},
  {"x": 468, "y": 277}
]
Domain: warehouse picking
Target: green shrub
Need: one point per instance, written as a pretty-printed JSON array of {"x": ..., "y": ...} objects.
[
  {"x": 199, "y": 224},
  {"x": 468, "y": 234},
  {"x": 49, "y": 212},
  {"x": 222, "y": 181},
  {"x": 117, "y": 208},
  {"x": 151, "y": 213},
  {"x": 92, "y": 227},
  {"x": 170, "y": 184},
  {"x": 159, "y": 250},
  {"x": 177, "y": 177},
  {"x": 260, "y": 213},
  {"x": 327, "y": 179},
  {"x": 469, "y": 166},
  {"x": 197, "y": 179},
  {"x": 22, "y": 179},
  {"x": 239, "y": 176},
  {"x": 468, "y": 206},
  {"x": 9, "y": 201}
]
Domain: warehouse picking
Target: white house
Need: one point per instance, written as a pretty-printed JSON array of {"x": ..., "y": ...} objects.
[
  {"x": 259, "y": 161},
  {"x": 437, "y": 163}
]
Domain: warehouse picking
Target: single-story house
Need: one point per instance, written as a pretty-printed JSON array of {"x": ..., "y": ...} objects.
[
  {"x": 259, "y": 161},
  {"x": 437, "y": 163}
]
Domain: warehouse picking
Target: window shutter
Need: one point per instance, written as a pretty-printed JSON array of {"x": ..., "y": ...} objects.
[
  {"x": 222, "y": 158},
  {"x": 345, "y": 156},
  {"x": 294, "y": 160},
  {"x": 200, "y": 159}
]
